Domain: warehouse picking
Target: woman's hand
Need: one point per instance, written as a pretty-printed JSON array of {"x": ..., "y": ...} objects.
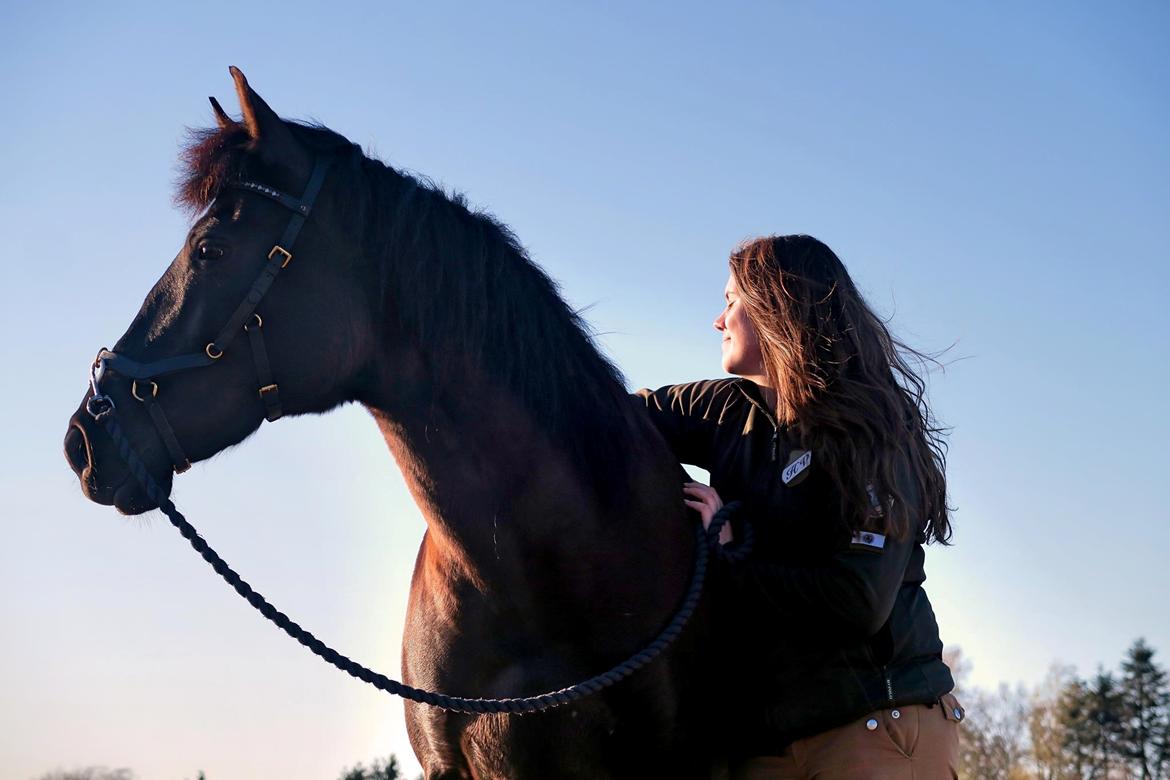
[{"x": 703, "y": 499}]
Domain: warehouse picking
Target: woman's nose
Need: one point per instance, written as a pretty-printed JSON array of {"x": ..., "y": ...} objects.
[{"x": 718, "y": 323}]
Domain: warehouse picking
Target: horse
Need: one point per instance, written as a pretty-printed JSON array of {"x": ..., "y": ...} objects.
[{"x": 556, "y": 543}]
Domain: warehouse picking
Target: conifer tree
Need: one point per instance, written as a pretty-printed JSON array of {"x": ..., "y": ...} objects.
[
  {"x": 1077, "y": 727},
  {"x": 1145, "y": 699},
  {"x": 1105, "y": 714},
  {"x": 380, "y": 769}
]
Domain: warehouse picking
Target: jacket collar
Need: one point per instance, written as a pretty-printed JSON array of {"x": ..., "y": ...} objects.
[
  {"x": 755, "y": 397},
  {"x": 751, "y": 391}
]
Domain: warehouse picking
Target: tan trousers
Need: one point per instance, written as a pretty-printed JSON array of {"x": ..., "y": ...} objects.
[{"x": 917, "y": 742}]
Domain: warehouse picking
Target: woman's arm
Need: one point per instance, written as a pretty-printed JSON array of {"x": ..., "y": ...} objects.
[
  {"x": 854, "y": 591},
  {"x": 687, "y": 415}
]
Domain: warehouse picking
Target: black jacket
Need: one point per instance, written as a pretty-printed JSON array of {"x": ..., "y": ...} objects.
[{"x": 820, "y": 626}]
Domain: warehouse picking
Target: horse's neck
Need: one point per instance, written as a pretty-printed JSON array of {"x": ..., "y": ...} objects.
[
  {"x": 478, "y": 466},
  {"x": 499, "y": 495}
]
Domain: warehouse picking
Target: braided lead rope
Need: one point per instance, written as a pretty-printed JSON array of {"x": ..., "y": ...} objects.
[
  {"x": 741, "y": 549},
  {"x": 520, "y": 705}
]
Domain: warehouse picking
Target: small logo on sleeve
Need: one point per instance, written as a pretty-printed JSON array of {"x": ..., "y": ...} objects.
[
  {"x": 798, "y": 463},
  {"x": 868, "y": 540}
]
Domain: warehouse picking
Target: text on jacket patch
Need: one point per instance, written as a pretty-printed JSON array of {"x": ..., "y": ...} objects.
[{"x": 796, "y": 466}]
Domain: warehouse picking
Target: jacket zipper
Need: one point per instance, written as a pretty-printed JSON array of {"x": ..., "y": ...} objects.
[
  {"x": 889, "y": 684},
  {"x": 775, "y": 428}
]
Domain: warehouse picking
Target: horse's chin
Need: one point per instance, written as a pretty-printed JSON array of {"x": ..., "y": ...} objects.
[
  {"x": 131, "y": 499},
  {"x": 128, "y": 497},
  {"x": 133, "y": 503}
]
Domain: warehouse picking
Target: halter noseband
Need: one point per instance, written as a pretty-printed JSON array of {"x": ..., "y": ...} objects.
[{"x": 143, "y": 386}]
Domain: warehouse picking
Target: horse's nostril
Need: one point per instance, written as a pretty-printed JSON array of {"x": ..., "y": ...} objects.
[{"x": 76, "y": 449}]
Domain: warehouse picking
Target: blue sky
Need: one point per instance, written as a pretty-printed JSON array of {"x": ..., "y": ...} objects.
[{"x": 996, "y": 177}]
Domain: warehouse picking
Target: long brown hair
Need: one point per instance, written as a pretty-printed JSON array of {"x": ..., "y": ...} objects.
[{"x": 845, "y": 386}]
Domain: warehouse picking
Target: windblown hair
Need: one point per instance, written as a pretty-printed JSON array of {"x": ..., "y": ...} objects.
[
  {"x": 458, "y": 282},
  {"x": 845, "y": 385}
]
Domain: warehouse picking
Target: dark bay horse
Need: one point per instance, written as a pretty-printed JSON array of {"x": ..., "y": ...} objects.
[{"x": 557, "y": 543}]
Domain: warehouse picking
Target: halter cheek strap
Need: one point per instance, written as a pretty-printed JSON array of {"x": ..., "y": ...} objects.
[{"x": 143, "y": 386}]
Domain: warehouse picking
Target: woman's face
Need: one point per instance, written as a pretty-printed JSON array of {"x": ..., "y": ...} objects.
[{"x": 741, "y": 346}]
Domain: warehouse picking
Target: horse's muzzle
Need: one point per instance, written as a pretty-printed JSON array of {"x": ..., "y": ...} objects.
[
  {"x": 80, "y": 455},
  {"x": 77, "y": 450},
  {"x": 104, "y": 478}
]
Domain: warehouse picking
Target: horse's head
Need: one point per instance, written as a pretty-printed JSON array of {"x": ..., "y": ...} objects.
[{"x": 214, "y": 350}]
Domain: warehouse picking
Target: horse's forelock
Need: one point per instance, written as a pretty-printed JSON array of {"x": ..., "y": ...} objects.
[
  {"x": 210, "y": 159},
  {"x": 213, "y": 156}
]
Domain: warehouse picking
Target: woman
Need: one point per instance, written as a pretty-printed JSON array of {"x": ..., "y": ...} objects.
[{"x": 830, "y": 645}]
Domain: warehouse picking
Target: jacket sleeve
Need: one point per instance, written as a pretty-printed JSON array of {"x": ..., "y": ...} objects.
[
  {"x": 853, "y": 592},
  {"x": 687, "y": 416}
]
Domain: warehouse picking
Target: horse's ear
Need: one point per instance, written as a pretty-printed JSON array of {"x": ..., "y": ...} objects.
[
  {"x": 270, "y": 136},
  {"x": 221, "y": 118}
]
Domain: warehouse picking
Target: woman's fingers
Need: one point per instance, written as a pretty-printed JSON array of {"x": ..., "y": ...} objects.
[
  {"x": 725, "y": 535},
  {"x": 703, "y": 499},
  {"x": 703, "y": 493},
  {"x": 699, "y": 491}
]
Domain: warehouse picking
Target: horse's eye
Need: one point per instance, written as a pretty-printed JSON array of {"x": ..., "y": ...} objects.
[{"x": 208, "y": 252}]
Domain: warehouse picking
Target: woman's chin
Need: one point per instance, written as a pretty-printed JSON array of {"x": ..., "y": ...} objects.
[
  {"x": 726, "y": 359},
  {"x": 731, "y": 365}
]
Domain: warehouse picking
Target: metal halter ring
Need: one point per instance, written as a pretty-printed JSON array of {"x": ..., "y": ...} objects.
[
  {"x": 153, "y": 389},
  {"x": 213, "y": 352},
  {"x": 99, "y": 406},
  {"x": 259, "y": 321}
]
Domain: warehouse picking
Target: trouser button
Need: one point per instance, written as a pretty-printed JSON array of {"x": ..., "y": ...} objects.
[
  {"x": 895, "y": 714},
  {"x": 871, "y": 724}
]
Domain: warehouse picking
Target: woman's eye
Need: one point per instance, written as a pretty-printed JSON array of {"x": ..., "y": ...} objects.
[{"x": 208, "y": 252}]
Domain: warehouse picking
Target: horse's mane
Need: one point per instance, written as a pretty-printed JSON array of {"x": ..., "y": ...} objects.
[{"x": 459, "y": 281}]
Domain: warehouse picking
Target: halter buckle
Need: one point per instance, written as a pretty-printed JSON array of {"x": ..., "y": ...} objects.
[{"x": 279, "y": 250}]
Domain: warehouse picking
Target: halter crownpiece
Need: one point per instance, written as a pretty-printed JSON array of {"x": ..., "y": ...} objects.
[{"x": 100, "y": 404}]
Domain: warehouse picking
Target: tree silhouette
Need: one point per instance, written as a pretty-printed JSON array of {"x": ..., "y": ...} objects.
[
  {"x": 1145, "y": 701},
  {"x": 89, "y": 773},
  {"x": 380, "y": 769},
  {"x": 1112, "y": 726}
]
